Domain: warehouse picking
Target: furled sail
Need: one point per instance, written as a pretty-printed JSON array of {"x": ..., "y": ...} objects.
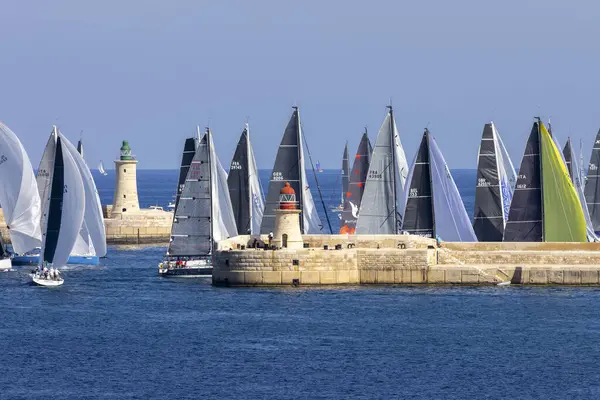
[
  {"x": 244, "y": 187},
  {"x": 545, "y": 205},
  {"x": 64, "y": 205},
  {"x": 356, "y": 185},
  {"x": 92, "y": 238},
  {"x": 19, "y": 195},
  {"x": 494, "y": 188},
  {"x": 434, "y": 207},
  {"x": 575, "y": 173},
  {"x": 381, "y": 207},
  {"x": 289, "y": 167},
  {"x": 592, "y": 185}
]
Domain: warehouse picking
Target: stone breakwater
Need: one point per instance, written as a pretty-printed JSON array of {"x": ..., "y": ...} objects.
[{"x": 401, "y": 259}]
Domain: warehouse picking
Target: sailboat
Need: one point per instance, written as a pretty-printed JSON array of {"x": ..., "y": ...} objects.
[
  {"x": 92, "y": 239},
  {"x": 345, "y": 179},
  {"x": 592, "y": 186},
  {"x": 356, "y": 185},
  {"x": 318, "y": 166},
  {"x": 433, "y": 205},
  {"x": 381, "y": 206},
  {"x": 575, "y": 174},
  {"x": 246, "y": 194},
  {"x": 63, "y": 205},
  {"x": 19, "y": 197},
  {"x": 289, "y": 167},
  {"x": 545, "y": 206},
  {"x": 101, "y": 168},
  {"x": 203, "y": 214},
  {"x": 496, "y": 179}
]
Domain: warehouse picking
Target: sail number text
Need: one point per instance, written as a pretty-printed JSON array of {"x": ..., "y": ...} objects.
[
  {"x": 236, "y": 165},
  {"x": 3, "y": 159},
  {"x": 277, "y": 176}
]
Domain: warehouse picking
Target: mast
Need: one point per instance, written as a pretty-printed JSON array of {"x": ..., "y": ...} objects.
[
  {"x": 393, "y": 148},
  {"x": 301, "y": 172},
  {"x": 431, "y": 185},
  {"x": 541, "y": 176},
  {"x": 210, "y": 187},
  {"x": 249, "y": 185}
]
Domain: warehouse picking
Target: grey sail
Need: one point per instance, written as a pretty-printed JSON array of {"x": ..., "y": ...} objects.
[
  {"x": 488, "y": 221},
  {"x": 525, "y": 216},
  {"x": 289, "y": 167},
  {"x": 189, "y": 149},
  {"x": 418, "y": 212},
  {"x": 569, "y": 156},
  {"x": 191, "y": 229},
  {"x": 356, "y": 186},
  {"x": 381, "y": 207},
  {"x": 592, "y": 185},
  {"x": 345, "y": 172}
]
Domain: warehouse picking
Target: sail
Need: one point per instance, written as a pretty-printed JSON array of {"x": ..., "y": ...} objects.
[
  {"x": 563, "y": 216},
  {"x": 525, "y": 216},
  {"x": 592, "y": 185},
  {"x": 191, "y": 232},
  {"x": 289, "y": 167},
  {"x": 244, "y": 188},
  {"x": 80, "y": 147},
  {"x": 257, "y": 205},
  {"x": 189, "y": 149},
  {"x": 345, "y": 172},
  {"x": 19, "y": 195},
  {"x": 101, "y": 168},
  {"x": 380, "y": 210},
  {"x": 65, "y": 206},
  {"x": 222, "y": 211},
  {"x": 418, "y": 204},
  {"x": 452, "y": 224},
  {"x": 569, "y": 154},
  {"x": 493, "y": 192},
  {"x": 45, "y": 169},
  {"x": 239, "y": 185},
  {"x": 92, "y": 239},
  {"x": 356, "y": 185}
]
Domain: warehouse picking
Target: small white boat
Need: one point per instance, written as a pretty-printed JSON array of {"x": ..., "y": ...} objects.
[
  {"x": 171, "y": 206},
  {"x": 40, "y": 280},
  {"x": 101, "y": 169},
  {"x": 5, "y": 264}
]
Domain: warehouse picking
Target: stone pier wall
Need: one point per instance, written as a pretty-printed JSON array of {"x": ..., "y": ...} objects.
[{"x": 406, "y": 260}]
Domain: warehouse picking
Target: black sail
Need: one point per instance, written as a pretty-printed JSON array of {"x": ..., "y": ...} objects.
[
  {"x": 238, "y": 181},
  {"x": 525, "y": 216},
  {"x": 189, "y": 149},
  {"x": 356, "y": 185},
  {"x": 191, "y": 230},
  {"x": 80, "y": 147},
  {"x": 592, "y": 185},
  {"x": 418, "y": 215},
  {"x": 567, "y": 153},
  {"x": 55, "y": 204},
  {"x": 488, "y": 221},
  {"x": 345, "y": 172},
  {"x": 285, "y": 169}
]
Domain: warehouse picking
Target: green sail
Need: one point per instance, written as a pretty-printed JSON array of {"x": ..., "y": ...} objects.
[{"x": 563, "y": 215}]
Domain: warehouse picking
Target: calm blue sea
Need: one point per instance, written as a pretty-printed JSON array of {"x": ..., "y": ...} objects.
[{"x": 118, "y": 331}]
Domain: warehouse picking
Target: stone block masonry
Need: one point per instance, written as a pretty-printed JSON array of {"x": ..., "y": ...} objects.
[{"x": 406, "y": 260}]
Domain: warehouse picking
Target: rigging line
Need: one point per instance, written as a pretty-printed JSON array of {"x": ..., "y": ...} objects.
[{"x": 317, "y": 181}]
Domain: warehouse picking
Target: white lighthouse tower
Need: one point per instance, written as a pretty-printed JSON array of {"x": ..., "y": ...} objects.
[{"x": 125, "y": 200}]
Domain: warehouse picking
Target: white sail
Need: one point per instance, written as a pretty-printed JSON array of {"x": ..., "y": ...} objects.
[
  {"x": 381, "y": 208},
  {"x": 65, "y": 207},
  {"x": 101, "y": 168},
  {"x": 19, "y": 196},
  {"x": 94, "y": 219},
  {"x": 452, "y": 224},
  {"x": 257, "y": 200},
  {"x": 506, "y": 172},
  {"x": 222, "y": 213},
  {"x": 312, "y": 222}
]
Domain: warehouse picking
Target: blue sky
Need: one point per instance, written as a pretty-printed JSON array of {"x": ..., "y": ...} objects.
[{"x": 149, "y": 71}]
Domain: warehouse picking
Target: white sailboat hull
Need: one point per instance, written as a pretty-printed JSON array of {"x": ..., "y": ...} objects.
[
  {"x": 5, "y": 264},
  {"x": 46, "y": 282}
]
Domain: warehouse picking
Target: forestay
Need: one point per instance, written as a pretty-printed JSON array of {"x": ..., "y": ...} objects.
[{"x": 19, "y": 195}]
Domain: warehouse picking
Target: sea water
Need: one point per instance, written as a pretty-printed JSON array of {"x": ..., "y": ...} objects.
[{"x": 119, "y": 331}]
